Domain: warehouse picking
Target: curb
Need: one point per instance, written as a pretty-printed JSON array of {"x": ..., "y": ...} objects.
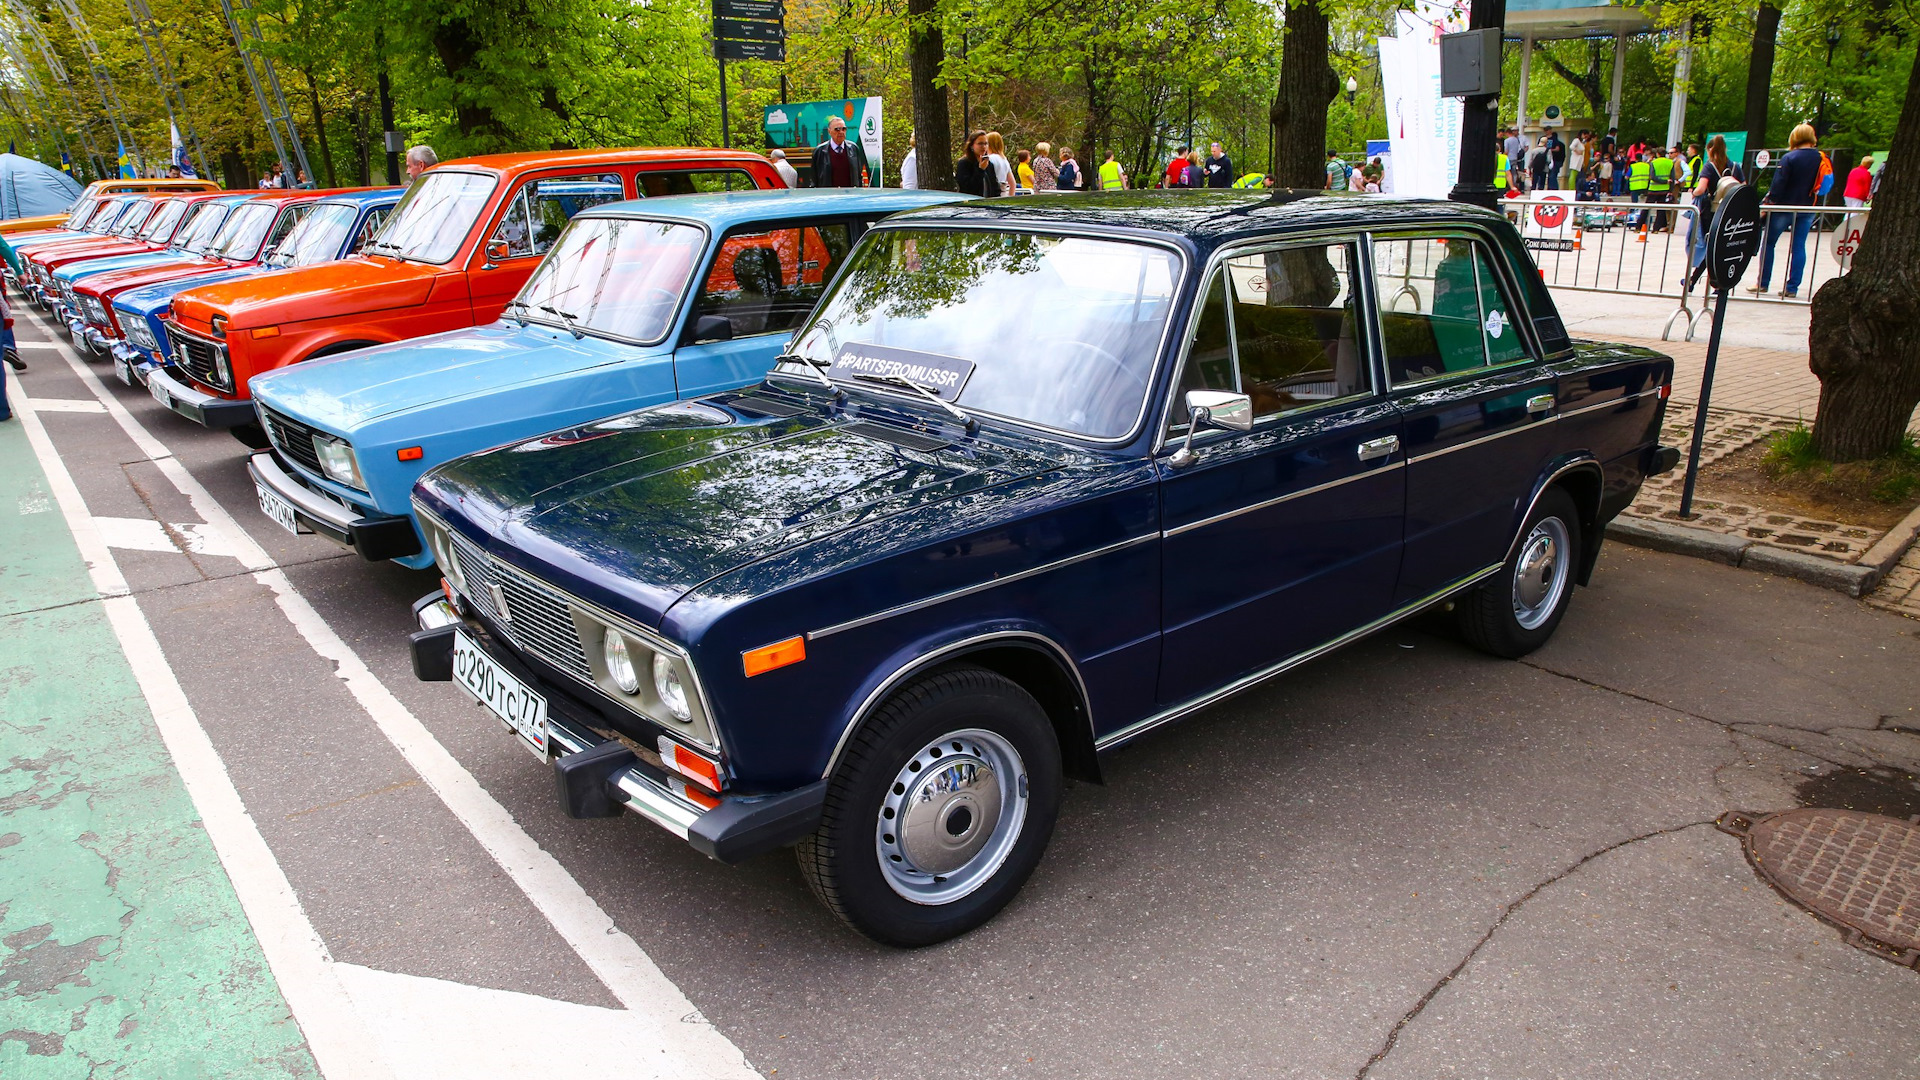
[{"x": 1854, "y": 579}]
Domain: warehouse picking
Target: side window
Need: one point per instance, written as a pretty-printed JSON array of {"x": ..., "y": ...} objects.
[
  {"x": 1446, "y": 310},
  {"x": 515, "y": 227},
  {"x": 541, "y": 208},
  {"x": 294, "y": 216},
  {"x": 692, "y": 182},
  {"x": 767, "y": 282},
  {"x": 1279, "y": 326},
  {"x": 371, "y": 226}
]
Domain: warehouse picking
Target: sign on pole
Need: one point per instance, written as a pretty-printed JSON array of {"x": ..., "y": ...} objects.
[
  {"x": 1732, "y": 239},
  {"x": 749, "y": 9},
  {"x": 751, "y": 50},
  {"x": 746, "y": 30}
]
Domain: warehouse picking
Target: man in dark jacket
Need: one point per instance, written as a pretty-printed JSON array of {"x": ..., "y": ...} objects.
[
  {"x": 839, "y": 162},
  {"x": 1219, "y": 168}
]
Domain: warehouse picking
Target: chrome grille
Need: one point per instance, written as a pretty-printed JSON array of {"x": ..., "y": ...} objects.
[
  {"x": 292, "y": 438},
  {"x": 197, "y": 358},
  {"x": 536, "y": 618}
]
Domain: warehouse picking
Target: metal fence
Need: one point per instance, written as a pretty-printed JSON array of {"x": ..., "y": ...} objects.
[{"x": 1644, "y": 249}]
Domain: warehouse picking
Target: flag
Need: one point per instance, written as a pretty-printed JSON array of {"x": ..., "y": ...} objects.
[
  {"x": 126, "y": 163},
  {"x": 10, "y": 146},
  {"x": 180, "y": 157},
  {"x": 66, "y": 163}
]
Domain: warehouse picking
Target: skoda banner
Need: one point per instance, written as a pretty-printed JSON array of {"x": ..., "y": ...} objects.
[{"x": 799, "y": 126}]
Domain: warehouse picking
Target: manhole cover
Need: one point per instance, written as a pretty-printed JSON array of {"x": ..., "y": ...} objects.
[{"x": 1858, "y": 871}]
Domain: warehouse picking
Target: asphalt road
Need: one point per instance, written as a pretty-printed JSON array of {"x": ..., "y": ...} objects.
[{"x": 1404, "y": 860}]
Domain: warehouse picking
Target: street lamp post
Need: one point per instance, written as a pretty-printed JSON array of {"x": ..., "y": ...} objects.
[
  {"x": 1820, "y": 114},
  {"x": 1353, "y": 87}
]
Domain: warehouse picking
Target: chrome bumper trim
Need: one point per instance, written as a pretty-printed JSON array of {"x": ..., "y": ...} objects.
[
  {"x": 268, "y": 474},
  {"x": 652, "y": 802}
]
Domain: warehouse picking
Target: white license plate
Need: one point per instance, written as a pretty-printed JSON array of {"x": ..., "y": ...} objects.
[
  {"x": 79, "y": 340},
  {"x": 159, "y": 393},
  {"x": 523, "y": 711},
  {"x": 277, "y": 508},
  {"x": 123, "y": 370}
]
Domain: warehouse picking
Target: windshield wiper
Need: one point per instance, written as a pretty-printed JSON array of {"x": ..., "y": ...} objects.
[
  {"x": 924, "y": 391},
  {"x": 572, "y": 326},
  {"x": 522, "y": 305},
  {"x": 818, "y": 368},
  {"x": 383, "y": 245}
]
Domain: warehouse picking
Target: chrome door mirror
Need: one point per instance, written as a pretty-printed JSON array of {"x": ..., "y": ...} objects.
[
  {"x": 498, "y": 251},
  {"x": 1220, "y": 409}
]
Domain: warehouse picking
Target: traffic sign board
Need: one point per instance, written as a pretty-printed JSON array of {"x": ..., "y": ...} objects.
[
  {"x": 749, "y": 9},
  {"x": 739, "y": 30},
  {"x": 751, "y": 50},
  {"x": 1734, "y": 236}
]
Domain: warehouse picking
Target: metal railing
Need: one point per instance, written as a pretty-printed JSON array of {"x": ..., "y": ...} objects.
[{"x": 1647, "y": 249}]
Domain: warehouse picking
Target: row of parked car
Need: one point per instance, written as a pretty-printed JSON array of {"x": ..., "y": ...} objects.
[{"x": 859, "y": 521}]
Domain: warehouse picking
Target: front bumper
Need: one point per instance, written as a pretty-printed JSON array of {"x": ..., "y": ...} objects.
[
  {"x": 376, "y": 537},
  {"x": 598, "y": 775},
  {"x": 197, "y": 405},
  {"x": 131, "y": 364}
]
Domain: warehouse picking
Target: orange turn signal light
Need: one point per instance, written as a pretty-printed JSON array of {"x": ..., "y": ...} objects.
[
  {"x": 410, "y": 453},
  {"x": 689, "y": 764},
  {"x": 777, "y": 655},
  {"x": 266, "y": 331}
]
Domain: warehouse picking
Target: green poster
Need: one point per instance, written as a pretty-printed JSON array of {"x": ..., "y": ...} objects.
[
  {"x": 802, "y": 125},
  {"x": 1736, "y": 145}
]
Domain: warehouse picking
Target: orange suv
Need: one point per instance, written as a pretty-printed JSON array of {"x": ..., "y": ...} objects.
[{"x": 463, "y": 240}]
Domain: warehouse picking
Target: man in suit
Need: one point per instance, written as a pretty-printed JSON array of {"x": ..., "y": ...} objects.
[{"x": 839, "y": 162}]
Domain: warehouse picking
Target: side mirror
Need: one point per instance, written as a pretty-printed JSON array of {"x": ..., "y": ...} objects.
[
  {"x": 498, "y": 251},
  {"x": 1219, "y": 409},
  {"x": 713, "y": 328}
]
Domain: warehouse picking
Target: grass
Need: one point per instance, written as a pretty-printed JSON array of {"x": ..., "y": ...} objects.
[{"x": 1792, "y": 460}]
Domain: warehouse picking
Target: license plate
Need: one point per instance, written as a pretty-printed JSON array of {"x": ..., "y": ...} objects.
[
  {"x": 79, "y": 340},
  {"x": 523, "y": 711},
  {"x": 277, "y": 508},
  {"x": 123, "y": 370},
  {"x": 159, "y": 393}
]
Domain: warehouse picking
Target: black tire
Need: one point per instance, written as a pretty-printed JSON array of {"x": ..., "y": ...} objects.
[
  {"x": 966, "y": 707},
  {"x": 1496, "y": 617}
]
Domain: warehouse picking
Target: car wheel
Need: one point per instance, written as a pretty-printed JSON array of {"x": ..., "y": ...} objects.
[
  {"x": 1517, "y": 610},
  {"x": 941, "y": 807}
]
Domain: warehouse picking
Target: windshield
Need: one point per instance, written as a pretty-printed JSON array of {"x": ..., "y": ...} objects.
[
  {"x": 106, "y": 219},
  {"x": 614, "y": 276},
  {"x": 129, "y": 224},
  {"x": 160, "y": 225},
  {"x": 317, "y": 238},
  {"x": 80, "y": 213},
  {"x": 246, "y": 227},
  {"x": 1056, "y": 331},
  {"x": 197, "y": 235},
  {"x": 434, "y": 216}
]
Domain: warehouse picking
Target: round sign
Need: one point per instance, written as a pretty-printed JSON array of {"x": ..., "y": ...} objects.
[
  {"x": 1552, "y": 213},
  {"x": 1762, "y": 159},
  {"x": 1734, "y": 236},
  {"x": 1846, "y": 239}
]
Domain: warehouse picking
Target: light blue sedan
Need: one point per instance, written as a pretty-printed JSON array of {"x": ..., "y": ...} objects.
[{"x": 638, "y": 303}]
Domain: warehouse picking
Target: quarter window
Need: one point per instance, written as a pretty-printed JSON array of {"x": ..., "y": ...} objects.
[
  {"x": 767, "y": 281},
  {"x": 1279, "y": 326},
  {"x": 1444, "y": 310},
  {"x": 541, "y": 209},
  {"x": 692, "y": 182}
]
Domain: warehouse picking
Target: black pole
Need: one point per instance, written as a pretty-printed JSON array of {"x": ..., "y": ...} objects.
[
  {"x": 726, "y": 138},
  {"x": 966, "y": 101},
  {"x": 1706, "y": 391},
  {"x": 388, "y": 137},
  {"x": 846, "y": 73},
  {"x": 783, "y": 88},
  {"x": 1479, "y": 121}
]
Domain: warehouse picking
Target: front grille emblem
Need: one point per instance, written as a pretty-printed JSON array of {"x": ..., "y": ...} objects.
[{"x": 500, "y": 601}]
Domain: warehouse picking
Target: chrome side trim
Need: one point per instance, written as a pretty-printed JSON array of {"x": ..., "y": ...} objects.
[
  {"x": 969, "y": 590},
  {"x": 1276, "y": 501},
  {"x": 1609, "y": 404},
  {"x": 1246, "y": 681},
  {"x": 1515, "y": 430},
  {"x": 919, "y": 663}
]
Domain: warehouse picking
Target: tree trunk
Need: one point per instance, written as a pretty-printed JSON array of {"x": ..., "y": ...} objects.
[
  {"x": 932, "y": 129},
  {"x": 1864, "y": 339},
  {"x": 320, "y": 132},
  {"x": 1766, "y": 25},
  {"x": 458, "y": 47},
  {"x": 1299, "y": 110}
]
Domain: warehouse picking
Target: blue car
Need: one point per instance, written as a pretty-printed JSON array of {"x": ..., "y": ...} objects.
[
  {"x": 106, "y": 215},
  {"x": 1037, "y": 477},
  {"x": 334, "y": 228},
  {"x": 194, "y": 239},
  {"x": 638, "y": 303}
]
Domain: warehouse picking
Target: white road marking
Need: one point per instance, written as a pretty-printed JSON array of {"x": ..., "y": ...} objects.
[
  {"x": 67, "y": 405},
  {"x": 146, "y": 534},
  {"x": 107, "y": 580},
  {"x": 53, "y": 345},
  {"x": 693, "y": 1046}
]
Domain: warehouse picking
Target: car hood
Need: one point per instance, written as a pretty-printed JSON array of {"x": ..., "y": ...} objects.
[
  {"x": 68, "y": 250},
  {"x": 351, "y": 286},
  {"x": 341, "y": 393},
  {"x": 150, "y": 299},
  {"x": 107, "y": 264},
  {"x": 641, "y": 509},
  {"x": 112, "y": 284}
]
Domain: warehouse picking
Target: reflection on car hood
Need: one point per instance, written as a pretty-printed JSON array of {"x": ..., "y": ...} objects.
[
  {"x": 327, "y": 290},
  {"x": 133, "y": 277},
  {"x": 342, "y": 392},
  {"x": 648, "y": 506},
  {"x": 156, "y": 298}
]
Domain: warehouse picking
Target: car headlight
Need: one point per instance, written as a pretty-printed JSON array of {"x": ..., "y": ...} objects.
[
  {"x": 620, "y": 663},
  {"x": 666, "y": 683},
  {"x": 441, "y": 545},
  {"x": 223, "y": 373},
  {"x": 337, "y": 461}
]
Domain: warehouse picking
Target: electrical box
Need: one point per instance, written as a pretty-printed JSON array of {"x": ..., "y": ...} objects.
[
  {"x": 1470, "y": 63},
  {"x": 395, "y": 144}
]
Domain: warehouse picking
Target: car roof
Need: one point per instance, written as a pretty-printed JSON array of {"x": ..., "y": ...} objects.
[
  {"x": 1209, "y": 217},
  {"x": 651, "y": 155},
  {"x": 362, "y": 196},
  {"x": 725, "y": 209}
]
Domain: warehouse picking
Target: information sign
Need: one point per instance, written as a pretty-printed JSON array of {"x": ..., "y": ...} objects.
[
  {"x": 742, "y": 30},
  {"x": 749, "y": 9},
  {"x": 751, "y": 50},
  {"x": 1734, "y": 236}
]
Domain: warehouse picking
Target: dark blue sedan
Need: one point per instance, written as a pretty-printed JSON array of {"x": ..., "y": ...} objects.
[{"x": 1035, "y": 478}]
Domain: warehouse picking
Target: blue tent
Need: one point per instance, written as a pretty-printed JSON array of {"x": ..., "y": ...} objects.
[{"x": 30, "y": 189}]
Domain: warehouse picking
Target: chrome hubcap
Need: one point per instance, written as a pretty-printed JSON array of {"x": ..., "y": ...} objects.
[
  {"x": 951, "y": 816},
  {"x": 1540, "y": 573}
]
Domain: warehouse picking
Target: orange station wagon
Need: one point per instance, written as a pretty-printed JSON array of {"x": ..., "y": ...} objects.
[{"x": 465, "y": 237}]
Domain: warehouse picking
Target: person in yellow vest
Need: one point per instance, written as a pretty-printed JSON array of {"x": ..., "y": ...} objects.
[
  {"x": 1660, "y": 177},
  {"x": 1638, "y": 175},
  {"x": 1500, "y": 169},
  {"x": 1112, "y": 176},
  {"x": 1254, "y": 180}
]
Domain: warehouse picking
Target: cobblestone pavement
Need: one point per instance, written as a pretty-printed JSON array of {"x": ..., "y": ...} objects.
[{"x": 1900, "y": 592}]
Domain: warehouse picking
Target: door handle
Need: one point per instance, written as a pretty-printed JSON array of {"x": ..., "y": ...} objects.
[
  {"x": 1379, "y": 448},
  {"x": 1539, "y": 403}
]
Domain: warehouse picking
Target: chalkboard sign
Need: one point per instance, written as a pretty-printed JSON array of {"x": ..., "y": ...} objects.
[{"x": 1734, "y": 236}]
